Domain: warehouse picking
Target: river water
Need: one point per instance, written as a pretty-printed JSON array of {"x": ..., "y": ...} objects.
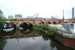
[{"x": 30, "y": 43}]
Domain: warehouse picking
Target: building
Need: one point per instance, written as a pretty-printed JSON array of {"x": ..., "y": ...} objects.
[
  {"x": 18, "y": 16},
  {"x": 10, "y": 17}
]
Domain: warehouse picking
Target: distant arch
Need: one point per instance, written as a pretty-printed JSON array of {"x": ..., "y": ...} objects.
[
  {"x": 49, "y": 22},
  {"x": 54, "y": 22}
]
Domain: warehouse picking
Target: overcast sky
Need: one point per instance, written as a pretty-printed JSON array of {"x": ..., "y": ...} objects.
[{"x": 45, "y": 8}]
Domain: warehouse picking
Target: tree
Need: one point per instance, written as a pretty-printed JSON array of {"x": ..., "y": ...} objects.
[
  {"x": 2, "y": 19},
  {"x": 1, "y": 14}
]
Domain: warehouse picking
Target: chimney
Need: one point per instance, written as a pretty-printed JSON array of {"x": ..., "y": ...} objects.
[
  {"x": 63, "y": 18},
  {"x": 72, "y": 13}
]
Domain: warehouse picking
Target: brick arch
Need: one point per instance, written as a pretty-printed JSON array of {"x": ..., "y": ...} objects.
[{"x": 49, "y": 22}]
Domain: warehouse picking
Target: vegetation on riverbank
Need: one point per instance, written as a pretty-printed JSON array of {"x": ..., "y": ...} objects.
[
  {"x": 2, "y": 20},
  {"x": 45, "y": 30}
]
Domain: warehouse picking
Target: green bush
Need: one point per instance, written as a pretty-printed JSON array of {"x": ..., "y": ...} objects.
[
  {"x": 2, "y": 22},
  {"x": 45, "y": 30}
]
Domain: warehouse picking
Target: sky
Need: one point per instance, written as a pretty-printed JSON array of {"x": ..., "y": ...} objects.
[{"x": 44, "y": 8}]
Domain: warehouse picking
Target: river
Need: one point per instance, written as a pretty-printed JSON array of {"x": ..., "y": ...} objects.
[{"x": 30, "y": 43}]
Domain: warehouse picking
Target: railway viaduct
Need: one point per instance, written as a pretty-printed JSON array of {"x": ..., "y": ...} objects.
[{"x": 44, "y": 21}]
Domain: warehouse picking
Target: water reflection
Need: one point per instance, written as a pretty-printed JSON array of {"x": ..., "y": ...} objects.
[
  {"x": 2, "y": 43},
  {"x": 31, "y": 43}
]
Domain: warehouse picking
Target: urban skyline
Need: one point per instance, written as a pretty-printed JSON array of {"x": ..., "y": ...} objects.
[{"x": 45, "y": 8}]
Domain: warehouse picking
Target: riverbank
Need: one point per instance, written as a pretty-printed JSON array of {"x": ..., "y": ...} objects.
[
  {"x": 20, "y": 35},
  {"x": 65, "y": 41}
]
